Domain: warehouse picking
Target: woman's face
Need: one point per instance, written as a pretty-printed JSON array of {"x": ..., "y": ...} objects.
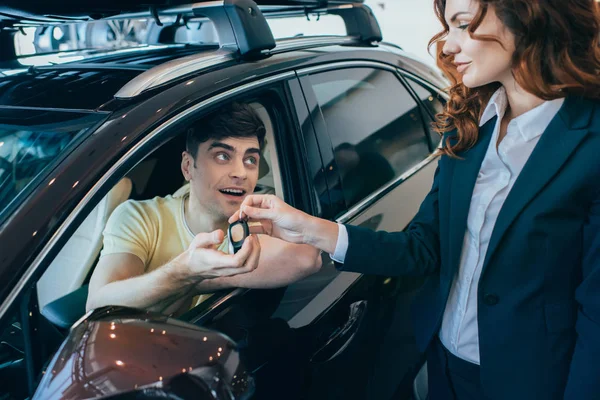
[{"x": 478, "y": 62}]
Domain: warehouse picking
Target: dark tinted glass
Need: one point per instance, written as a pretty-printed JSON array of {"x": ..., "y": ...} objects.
[
  {"x": 30, "y": 140},
  {"x": 433, "y": 103},
  {"x": 375, "y": 126},
  {"x": 13, "y": 373}
]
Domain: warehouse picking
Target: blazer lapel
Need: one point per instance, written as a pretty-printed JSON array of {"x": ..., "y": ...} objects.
[
  {"x": 464, "y": 176},
  {"x": 561, "y": 138}
]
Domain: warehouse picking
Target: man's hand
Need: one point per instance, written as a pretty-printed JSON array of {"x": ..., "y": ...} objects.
[
  {"x": 276, "y": 218},
  {"x": 202, "y": 260}
]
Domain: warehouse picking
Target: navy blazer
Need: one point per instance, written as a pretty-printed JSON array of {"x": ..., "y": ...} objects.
[{"x": 539, "y": 292}]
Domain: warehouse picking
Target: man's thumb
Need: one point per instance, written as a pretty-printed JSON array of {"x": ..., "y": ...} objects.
[{"x": 208, "y": 239}]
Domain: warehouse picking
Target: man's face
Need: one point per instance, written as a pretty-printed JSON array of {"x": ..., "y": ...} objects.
[{"x": 226, "y": 172}]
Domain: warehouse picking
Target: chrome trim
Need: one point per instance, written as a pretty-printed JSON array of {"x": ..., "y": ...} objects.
[
  {"x": 424, "y": 83},
  {"x": 218, "y": 303},
  {"x": 171, "y": 70},
  {"x": 102, "y": 181},
  {"x": 311, "y": 41},
  {"x": 363, "y": 204},
  {"x": 347, "y": 64}
]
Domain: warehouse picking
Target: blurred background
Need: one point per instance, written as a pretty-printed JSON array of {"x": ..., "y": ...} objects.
[{"x": 407, "y": 23}]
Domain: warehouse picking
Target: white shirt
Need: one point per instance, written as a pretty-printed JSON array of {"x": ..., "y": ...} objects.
[{"x": 499, "y": 170}]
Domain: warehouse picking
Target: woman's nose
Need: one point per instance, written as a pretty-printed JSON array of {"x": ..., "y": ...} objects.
[{"x": 451, "y": 47}]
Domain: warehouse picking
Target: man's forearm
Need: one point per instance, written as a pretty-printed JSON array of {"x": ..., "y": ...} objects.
[
  {"x": 154, "y": 291},
  {"x": 281, "y": 264}
]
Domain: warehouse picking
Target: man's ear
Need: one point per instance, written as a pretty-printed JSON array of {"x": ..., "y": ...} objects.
[{"x": 187, "y": 163}]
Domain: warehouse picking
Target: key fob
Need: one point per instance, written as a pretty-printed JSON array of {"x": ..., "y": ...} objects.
[{"x": 237, "y": 233}]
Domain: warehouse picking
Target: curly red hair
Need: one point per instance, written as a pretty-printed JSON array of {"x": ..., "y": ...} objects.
[{"x": 557, "y": 54}]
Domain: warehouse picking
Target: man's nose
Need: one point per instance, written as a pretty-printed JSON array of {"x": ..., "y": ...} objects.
[{"x": 238, "y": 170}]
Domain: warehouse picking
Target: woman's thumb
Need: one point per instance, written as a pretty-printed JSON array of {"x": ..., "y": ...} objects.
[{"x": 258, "y": 213}]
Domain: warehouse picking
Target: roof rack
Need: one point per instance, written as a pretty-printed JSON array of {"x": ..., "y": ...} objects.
[
  {"x": 243, "y": 30},
  {"x": 239, "y": 24},
  {"x": 358, "y": 18}
]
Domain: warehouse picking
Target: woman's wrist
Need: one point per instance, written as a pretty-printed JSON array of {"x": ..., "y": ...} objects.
[{"x": 322, "y": 234}]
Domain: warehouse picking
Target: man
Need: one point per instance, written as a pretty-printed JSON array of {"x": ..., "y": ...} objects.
[{"x": 159, "y": 254}]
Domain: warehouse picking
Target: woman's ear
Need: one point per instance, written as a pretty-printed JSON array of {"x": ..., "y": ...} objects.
[{"x": 187, "y": 163}]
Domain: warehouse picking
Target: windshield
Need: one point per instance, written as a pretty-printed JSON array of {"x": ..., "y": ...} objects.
[{"x": 31, "y": 141}]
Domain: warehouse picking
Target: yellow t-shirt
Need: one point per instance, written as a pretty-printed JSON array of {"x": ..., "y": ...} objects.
[{"x": 154, "y": 230}]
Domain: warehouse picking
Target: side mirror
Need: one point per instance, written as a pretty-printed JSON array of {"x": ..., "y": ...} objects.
[{"x": 124, "y": 353}]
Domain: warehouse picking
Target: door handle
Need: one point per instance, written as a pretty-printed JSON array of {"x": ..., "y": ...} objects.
[{"x": 342, "y": 337}]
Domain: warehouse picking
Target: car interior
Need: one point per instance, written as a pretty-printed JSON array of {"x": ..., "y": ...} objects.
[{"x": 62, "y": 289}]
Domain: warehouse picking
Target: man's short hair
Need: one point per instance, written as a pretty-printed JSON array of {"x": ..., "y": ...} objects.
[{"x": 236, "y": 120}]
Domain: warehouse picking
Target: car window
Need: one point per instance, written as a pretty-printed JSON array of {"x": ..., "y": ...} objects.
[
  {"x": 29, "y": 143},
  {"x": 159, "y": 174},
  {"x": 375, "y": 127},
  {"x": 62, "y": 288},
  {"x": 433, "y": 103}
]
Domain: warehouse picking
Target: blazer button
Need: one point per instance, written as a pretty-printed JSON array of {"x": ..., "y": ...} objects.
[{"x": 490, "y": 299}]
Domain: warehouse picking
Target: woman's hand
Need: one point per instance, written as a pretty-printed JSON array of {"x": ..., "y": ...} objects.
[
  {"x": 276, "y": 218},
  {"x": 202, "y": 260}
]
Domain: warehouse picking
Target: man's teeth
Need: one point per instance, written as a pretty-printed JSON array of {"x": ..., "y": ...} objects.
[{"x": 232, "y": 191}]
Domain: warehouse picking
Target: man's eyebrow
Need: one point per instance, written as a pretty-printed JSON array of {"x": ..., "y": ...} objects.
[
  {"x": 455, "y": 16},
  {"x": 253, "y": 150},
  {"x": 221, "y": 145}
]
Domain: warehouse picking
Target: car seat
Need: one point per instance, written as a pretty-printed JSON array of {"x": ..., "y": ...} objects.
[{"x": 71, "y": 266}]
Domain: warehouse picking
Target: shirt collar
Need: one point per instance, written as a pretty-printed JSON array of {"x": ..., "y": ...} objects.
[
  {"x": 495, "y": 107},
  {"x": 531, "y": 124}
]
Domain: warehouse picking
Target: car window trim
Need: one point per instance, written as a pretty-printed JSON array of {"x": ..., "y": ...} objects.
[
  {"x": 116, "y": 169},
  {"x": 422, "y": 82},
  {"x": 425, "y": 114},
  {"x": 362, "y": 205},
  {"x": 408, "y": 75}
]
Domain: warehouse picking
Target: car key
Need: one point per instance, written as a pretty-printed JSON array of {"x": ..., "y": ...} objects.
[{"x": 237, "y": 233}]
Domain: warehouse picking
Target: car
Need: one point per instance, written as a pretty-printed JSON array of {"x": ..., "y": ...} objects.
[{"x": 348, "y": 139}]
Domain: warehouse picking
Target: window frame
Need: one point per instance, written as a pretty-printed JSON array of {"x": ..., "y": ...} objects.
[
  {"x": 406, "y": 78},
  {"x": 22, "y": 295}
]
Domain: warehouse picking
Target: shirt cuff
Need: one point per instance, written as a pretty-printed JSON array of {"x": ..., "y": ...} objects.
[{"x": 341, "y": 247}]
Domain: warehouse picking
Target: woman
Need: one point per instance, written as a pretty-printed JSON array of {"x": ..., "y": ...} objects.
[{"x": 510, "y": 230}]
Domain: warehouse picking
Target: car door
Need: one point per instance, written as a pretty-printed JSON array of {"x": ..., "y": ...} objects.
[
  {"x": 378, "y": 157},
  {"x": 28, "y": 337}
]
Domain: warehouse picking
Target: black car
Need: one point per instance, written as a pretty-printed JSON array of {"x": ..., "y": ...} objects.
[{"x": 348, "y": 139}]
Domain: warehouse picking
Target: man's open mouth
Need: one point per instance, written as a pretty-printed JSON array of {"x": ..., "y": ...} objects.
[{"x": 233, "y": 192}]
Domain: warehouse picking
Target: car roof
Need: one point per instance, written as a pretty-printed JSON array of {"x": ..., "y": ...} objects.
[
  {"x": 88, "y": 83},
  {"x": 91, "y": 83}
]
